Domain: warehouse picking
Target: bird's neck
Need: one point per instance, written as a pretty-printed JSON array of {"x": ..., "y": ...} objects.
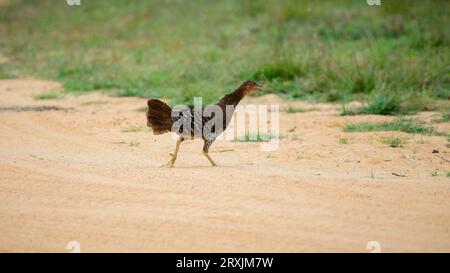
[{"x": 233, "y": 98}]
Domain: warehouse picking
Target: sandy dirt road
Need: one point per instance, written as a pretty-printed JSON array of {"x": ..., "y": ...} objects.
[{"x": 89, "y": 172}]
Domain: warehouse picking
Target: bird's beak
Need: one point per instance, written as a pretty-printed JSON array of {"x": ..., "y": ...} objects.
[{"x": 259, "y": 86}]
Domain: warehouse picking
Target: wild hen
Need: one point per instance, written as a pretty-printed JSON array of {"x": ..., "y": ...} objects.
[{"x": 188, "y": 123}]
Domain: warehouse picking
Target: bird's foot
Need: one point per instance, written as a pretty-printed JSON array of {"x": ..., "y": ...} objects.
[
  {"x": 210, "y": 159},
  {"x": 169, "y": 164}
]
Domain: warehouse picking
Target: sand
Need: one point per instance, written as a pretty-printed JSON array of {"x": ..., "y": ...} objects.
[{"x": 73, "y": 171}]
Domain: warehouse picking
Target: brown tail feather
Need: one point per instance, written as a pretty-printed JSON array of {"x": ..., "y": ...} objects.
[{"x": 159, "y": 117}]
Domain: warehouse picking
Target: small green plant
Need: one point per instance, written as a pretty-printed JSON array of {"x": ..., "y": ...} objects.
[
  {"x": 134, "y": 143},
  {"x": 434, "y": 173},
  {"x": 131, "y": 129},
  {"x": 382, "y": 104},
  {"x": 403, "y": 125},
  {"x": 393, "y": 141},
  {"x": 447, "y": 174},
  {"x": 130, "y": 92},
  {"x": 445, "y": 117},
  {"x": 5, "y": 74},
  {"x": 51, "y": 95},
  {"x": 281, "y": 70},
  {"x": 346, "y": 111},
  {"x": 94, "y": 102},
  {"x": 344, "y": 140},
  {"x": 254, "y": 138},
  {"x": 291, "y": 110}
]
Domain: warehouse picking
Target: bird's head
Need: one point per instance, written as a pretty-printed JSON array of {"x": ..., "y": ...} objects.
[{"x": 250, "y": 87}]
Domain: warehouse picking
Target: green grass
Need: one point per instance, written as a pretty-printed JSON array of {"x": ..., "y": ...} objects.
[
  {"x": 393, "y": 141},
  {"x": 344, "y": 140},
  {"x": 384, "y": 103},
  {"x": 379, "y": 104},
  {"x": 314, "y": 50},
  {"x": 51, "y": 95},
  {"x": 94, "y": 102},
  {"x": 434, "y": 173},
  {"x": 292, "y": 110},
  {"x": 403, "y": 125},
  {"x": 445, "y": 117},
  {"x": 447, "y": 174},
  {"x": 4, "y": 74},
  {"x": 257, "y": 137}
]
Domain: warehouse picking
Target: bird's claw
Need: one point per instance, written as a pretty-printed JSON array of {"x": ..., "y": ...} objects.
[{"x": 168, "y": 164}]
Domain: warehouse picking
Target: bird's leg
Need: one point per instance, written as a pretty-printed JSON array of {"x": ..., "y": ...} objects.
[
  {"x": 205, "y": 152},
  {"x": 174, "y": 155},
  {"x": 209, "y": 158}
]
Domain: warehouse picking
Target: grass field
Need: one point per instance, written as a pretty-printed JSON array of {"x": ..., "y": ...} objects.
[{"x": 394, "y": 58}]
